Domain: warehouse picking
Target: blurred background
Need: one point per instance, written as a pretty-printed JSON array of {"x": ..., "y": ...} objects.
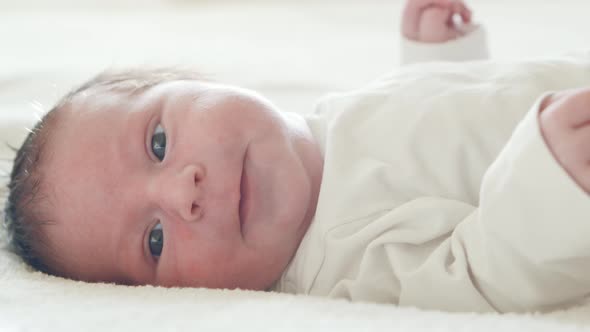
[{"x": 293, "y": 51}]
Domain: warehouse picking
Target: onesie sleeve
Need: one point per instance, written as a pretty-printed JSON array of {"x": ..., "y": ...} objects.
[
  {"x": 526, "y": 246},
  {"x": 473, "y": 46}
]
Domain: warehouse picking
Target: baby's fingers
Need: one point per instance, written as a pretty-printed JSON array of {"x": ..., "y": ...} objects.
[
  {"x": 421, "y": 4},
  {"x": 433, "y": 21},
  {"x": 412, "y": 15},
  {"x": 460, "y": 8}
]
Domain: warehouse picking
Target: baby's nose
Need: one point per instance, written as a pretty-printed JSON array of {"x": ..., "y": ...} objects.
[{"x": 181, "y": 193}]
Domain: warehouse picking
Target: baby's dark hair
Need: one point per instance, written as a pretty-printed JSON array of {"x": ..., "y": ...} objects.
[
  {"x": 26, "y": 213},
  {"x": 22, "y": 214}
]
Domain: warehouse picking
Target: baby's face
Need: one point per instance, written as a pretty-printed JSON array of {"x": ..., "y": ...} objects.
[{"x": 186, "y": 184}]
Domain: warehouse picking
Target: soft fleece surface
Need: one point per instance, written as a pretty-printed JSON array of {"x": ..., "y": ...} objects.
[
  {"x": 292, "y": 51},
  {"x": 31, "y": 301}
]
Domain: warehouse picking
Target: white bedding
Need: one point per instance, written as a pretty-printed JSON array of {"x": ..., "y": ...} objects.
[{"x": 291, "y": 51}]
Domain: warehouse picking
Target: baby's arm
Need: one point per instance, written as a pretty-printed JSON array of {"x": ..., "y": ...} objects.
[
  {"x": 440, "y": 30},
  {"x": 527, "y": 244}
]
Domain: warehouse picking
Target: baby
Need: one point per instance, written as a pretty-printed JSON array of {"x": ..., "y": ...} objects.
[{"x": 460, "y": 192}]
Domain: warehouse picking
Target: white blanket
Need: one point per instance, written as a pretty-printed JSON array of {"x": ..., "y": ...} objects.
[
  {"x": 292, "y": 52},
  {"x": 32, "y": 301}
]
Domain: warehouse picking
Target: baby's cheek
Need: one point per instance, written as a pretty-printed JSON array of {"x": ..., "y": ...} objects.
[
  {"x": 185, "y": 263},
  {"x": 169, "y": 269}
]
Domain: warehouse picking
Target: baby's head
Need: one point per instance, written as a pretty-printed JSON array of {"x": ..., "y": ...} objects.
[{"x": 162, "y": 178}]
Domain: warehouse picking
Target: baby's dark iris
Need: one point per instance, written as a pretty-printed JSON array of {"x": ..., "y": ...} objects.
[
  {"x": 156, "y": 240},
  {"x": 159, "y": 143}
]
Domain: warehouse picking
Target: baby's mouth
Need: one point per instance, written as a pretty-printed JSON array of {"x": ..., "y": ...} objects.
[{"x": 243, "y": 191}]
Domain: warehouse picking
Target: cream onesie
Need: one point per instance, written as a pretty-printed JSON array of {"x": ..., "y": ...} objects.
[{"x": 439, "y": 191}]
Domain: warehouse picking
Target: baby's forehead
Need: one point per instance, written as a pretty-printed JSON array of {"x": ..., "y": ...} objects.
[
  {"x": 127, "y": 97},
  {"x": 96, "y": 100}
]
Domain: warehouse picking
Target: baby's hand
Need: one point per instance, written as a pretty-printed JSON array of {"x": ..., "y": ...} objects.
[
  {"x": 565, "y": 125},
  {"x": 433, "y": 21}
]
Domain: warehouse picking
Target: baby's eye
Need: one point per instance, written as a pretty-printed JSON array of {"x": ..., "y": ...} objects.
[
  {"x": 156, "y": 240},
  {"x": 158, "y": 145}
]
